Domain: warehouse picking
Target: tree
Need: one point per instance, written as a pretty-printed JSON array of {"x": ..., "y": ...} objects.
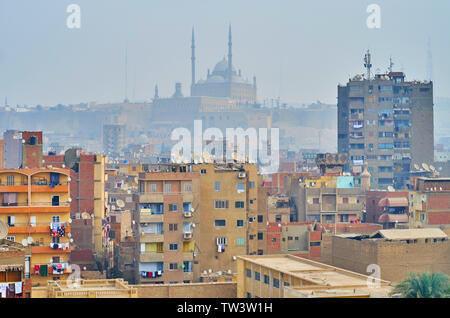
[{"x": 425, "y": 285}]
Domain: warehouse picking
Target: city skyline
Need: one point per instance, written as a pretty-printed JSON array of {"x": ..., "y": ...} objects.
[{"x": 293, "y": 53}]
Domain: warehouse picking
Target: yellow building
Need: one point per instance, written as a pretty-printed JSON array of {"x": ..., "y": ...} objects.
[
  {"x": 229, "y": 216},
  {"x": 36, "y": 207},
  {"x": 287, "y": 276}
]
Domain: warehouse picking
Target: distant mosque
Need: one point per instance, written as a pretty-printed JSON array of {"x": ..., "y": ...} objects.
[{"x": 224, "y": 81}]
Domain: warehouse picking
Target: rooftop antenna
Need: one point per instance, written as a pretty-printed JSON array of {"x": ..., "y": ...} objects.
[
  {"x": 126, "y": 73},
  {"x": 367, "y": 64},
  {"x": 429, "y": 60},
  {"x": 391, "y": 64}
]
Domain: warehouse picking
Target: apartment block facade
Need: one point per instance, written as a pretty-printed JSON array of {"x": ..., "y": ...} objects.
[
  {"x": 168, "y": 224},
  {"x": 36, "y": 207},
  {"x": 387, "y": 122}
]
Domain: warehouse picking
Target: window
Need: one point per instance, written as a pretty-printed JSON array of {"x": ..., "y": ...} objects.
[
  {"x": 249, "y": 295},
  {"x": 314, "y": 244},
  {"x": 220, "y": 204},
  {"x": 260, "y": 236},
  {"x": 221, "y": 241},
  {"x": 266, "y": 279},
  {"x": 257, "y": 276},
  {"x": 251, "y": 237},
  {"x": 55, "y": 200},
  {"x": 55, "y": 219},
  {"x": 315, "y": 200},
  {"x": 173, "y": 207},
  {"x": 345, "y": 200},
  {"x": 173, "y": 227},
  {"x": 10, "y": 180},
  {"x": 273, "y": 240},
  {"x": 240, "y": 223},
  {"x": 217, "y": 186},
  {"x": 276, "y": 283},
  {"x": 168, "y": 188},
  {"x": 260, "y": 218},
  {"x": 239, "y": 204},
  {"x": 203, "y": 171},
  {"x": 187, "y": 206},
  {"x": 187, "y": 187},
  {"x": 11, "y": 220},
  {"x": 251, "y": 184},
  {"x": 219, "y": 223},
  {"x": 152, "y": 187},
  {"x": 240, "y": 242},
  {"x": 173, "y": 266},
  {"x": 240, "y": 187},
  {"x": 11, "y": 238},
  {"x": 249, "y": 273},
  {"x": 278, "y": 218},
  {"x": 32, "y": 220},
  {"x": 55, "y": 240},
  {"x": 173, "y": 247}
]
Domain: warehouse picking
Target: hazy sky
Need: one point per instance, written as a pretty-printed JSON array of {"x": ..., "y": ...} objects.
[{"x": 299, "y": 50}]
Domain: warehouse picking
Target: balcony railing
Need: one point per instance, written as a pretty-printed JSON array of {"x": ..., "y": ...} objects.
[{"x": 25, "y": 203}]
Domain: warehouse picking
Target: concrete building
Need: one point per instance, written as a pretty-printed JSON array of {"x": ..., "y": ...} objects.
[
  {"x": 397, "y": 252},
  {"x": 168, "y": 226},
  {"x": 287, "y": 276},
  {"x": 388, "y": 208},
  {"x": 2, "y": 155},
  {"x": 36, "y": 207},
  {"x": 387, "y": 122},
  {"x": 430, "y": 202},
  {"x": 14, "y": 270},
  {"x": 113, "y": 139},
  {"x": 328, "y": 199},
  {"x": 87, "y": 206}
]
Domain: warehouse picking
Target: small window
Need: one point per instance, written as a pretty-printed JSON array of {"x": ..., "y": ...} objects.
[
  {"x": 266, "y": 279},
  {"x": 251, "y": 184},
  {"x": 240, "y": 187},
  {"x": 345, "y": 200},
  {"x": 173, "y": 227},
  {"x": 314, "y": 243},
  {"x": 219, "y": 223},
  {"x": 257, "y": 276},
  {"x": 217, "y": 186},
  {"x": 249, "y": 273},
  {"x": 260, "y": 236},
  {"x": 240, "y": 223},
  {"x": 173, "y": 266},
  {"x": 173, "y": 247},
  {"x": 240, "y": 242},
  {"x": 260, "y": 218},
  {"x": 276, "y": 283},
  {"x": 315, "y": 200},
  {"x": 152, "y": 187},
  {"x": 203, "y": 171},
  {"x": 239, "y": 204},
  {"x": 187, "y": 187},
  {"x": 173, "y": 207},
  {"x": 167, "y": 188}
]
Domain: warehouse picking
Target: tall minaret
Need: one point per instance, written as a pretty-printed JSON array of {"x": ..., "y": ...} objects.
[
  {"x": 156, "y": 92},
  {"x": 230, "y": 59},
  {"x": 193, "y": 59}
]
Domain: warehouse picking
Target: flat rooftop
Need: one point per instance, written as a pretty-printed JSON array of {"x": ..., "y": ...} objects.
[{"x": 317, "y": 273}]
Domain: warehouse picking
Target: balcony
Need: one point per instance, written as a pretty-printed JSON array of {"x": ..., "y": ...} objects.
[
  {"x": 187, "y": 236},
  {"x": 62, "y": 187},
  {"x": 146, "y": 217},
  {"x": 146, "y": 257},
  {"x": 14, "y": 187},
  {"x": 48, "y": 250},
  {"x": 28, "y": 228},
  {"x": 151, "y": 238},
  {"x": 349, "y": 207},
  {"x": 23, "y": 207}
]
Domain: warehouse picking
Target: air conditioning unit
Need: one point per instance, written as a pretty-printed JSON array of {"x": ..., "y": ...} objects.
[
  {"x": 241, "y": 175},
  {"x": 187, "y": 214},
  {"x": 187, "y": 235}
]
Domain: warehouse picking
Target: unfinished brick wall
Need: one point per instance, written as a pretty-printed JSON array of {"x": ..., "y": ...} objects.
[{"x": 196, "y": 290}]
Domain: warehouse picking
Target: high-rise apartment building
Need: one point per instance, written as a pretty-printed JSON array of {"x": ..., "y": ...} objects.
[
  {"x": 113, "y": 139},
  {"x": 387, "y": 122}
]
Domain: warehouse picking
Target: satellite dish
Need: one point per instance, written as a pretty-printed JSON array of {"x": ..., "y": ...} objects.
[
  {"x": 432, "y": 168},
  {"x": 210, "y": 270},
  {"x": 3, "y": 230},
  {"x": 24, "y": 242},
  {"x": 120, "y": 203},
  {"x": 425, "y": 166},
  {"x": 416, "y": 166},
  {"x": 391, "y": 189},
  {"x": 30, "y": 240},
  {"x": 70, "y": 221}
]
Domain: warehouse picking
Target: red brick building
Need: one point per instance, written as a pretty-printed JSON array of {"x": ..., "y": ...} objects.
[{"x": 390, "y": 209}]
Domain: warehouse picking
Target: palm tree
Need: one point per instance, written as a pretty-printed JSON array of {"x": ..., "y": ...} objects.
[{"x": 425, "y": 285}]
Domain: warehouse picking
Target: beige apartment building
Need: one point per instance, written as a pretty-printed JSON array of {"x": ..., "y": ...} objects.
[{"x": 194, "y": 220}]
